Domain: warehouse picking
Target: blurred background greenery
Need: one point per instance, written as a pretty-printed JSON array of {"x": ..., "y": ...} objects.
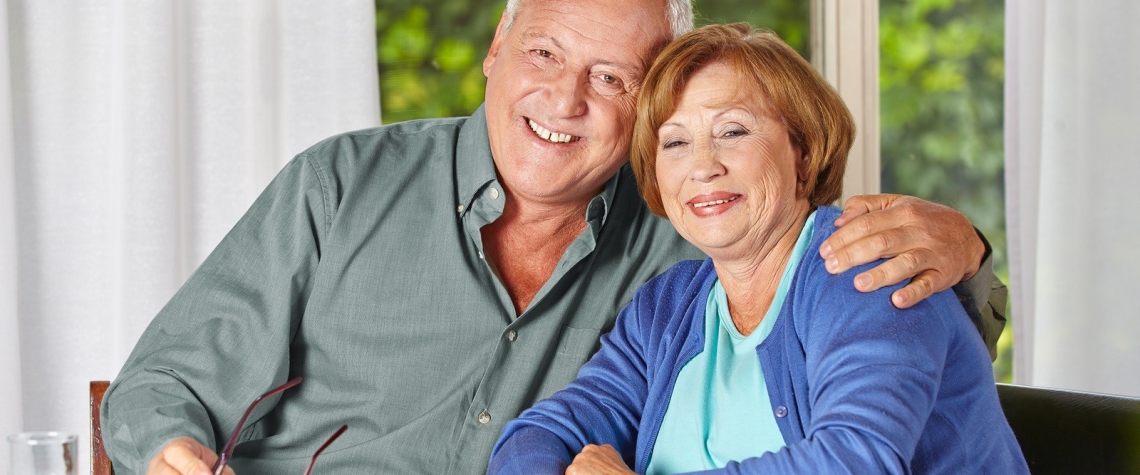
[
  {"x": 941, "y": 80},
  {"x": 941, "y": 77}
]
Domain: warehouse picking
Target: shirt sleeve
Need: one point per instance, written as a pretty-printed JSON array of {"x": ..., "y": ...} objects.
[
  {"x": 601, "y": 406},
  {"x": 984, "y": 297},
  {"x": 224, "y": 337}
]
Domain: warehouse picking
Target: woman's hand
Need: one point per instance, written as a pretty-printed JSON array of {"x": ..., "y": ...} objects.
[
  {"x": 598, "y": 460},
  {"x": 934, "y": 244}
]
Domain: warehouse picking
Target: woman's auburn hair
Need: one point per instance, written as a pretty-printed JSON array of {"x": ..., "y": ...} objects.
[{"x": 814, "y": 115}]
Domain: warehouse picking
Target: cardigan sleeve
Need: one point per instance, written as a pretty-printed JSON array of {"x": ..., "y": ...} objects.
[
  {"x": 873, "y": 372},
  {"x": 601, "y": 406}
]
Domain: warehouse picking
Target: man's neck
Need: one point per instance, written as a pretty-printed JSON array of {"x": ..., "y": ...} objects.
[{"x": 525, "y": 244}]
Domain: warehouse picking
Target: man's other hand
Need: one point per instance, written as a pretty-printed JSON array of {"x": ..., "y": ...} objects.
[
  {"x": 184, "y": 456},
  {"x": 934, "y": 244}
]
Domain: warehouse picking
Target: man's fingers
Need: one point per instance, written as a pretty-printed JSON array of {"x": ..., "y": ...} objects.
[
  {"x": 855, "y": 235},
  {"x": 885, "y": 243},
  {"x": 892, "y": 271},
  {"x": 184, "y": 456},
  {"x": 159, "y": 467},
  {"x": 919, "y": 288},
  {"x": 860, "y": 205}
]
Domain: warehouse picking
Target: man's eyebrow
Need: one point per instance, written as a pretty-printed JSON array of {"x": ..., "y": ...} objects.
[
  {"x": 533, "y": 34},
  {"x": 633, "y": 70}
]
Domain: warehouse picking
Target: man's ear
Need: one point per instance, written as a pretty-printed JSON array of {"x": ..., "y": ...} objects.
[{"x": 496, "y": 44}]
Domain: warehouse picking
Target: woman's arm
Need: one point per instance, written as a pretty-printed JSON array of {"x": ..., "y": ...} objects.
[{"x": 873, "y": 372}]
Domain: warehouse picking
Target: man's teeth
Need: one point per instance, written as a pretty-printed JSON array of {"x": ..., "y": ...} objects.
[
  {"x": 550, "y": 136},
  {"x": 714, "y": 202}
]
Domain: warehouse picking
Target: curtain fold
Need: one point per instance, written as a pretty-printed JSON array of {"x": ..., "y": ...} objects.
[
  {"x": 1072, "y": 168},
  {"x": 12, "y": 414},
  {"x": 141, "y": 132}
]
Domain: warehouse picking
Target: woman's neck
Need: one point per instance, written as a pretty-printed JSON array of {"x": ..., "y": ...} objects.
[{"x": 750, "y": 282}]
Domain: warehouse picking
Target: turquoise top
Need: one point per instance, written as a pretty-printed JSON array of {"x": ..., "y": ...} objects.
[{"x": 720, "y": 410}]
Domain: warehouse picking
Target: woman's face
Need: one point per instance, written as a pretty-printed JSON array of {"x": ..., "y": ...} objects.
[{"x": 727, "y": 169}]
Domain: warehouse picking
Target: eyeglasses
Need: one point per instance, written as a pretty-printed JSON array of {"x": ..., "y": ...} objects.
[{"x": 228, "y": 451}]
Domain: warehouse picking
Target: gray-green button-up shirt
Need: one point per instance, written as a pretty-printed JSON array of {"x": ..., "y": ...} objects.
[{"x": 361, "y": 269}]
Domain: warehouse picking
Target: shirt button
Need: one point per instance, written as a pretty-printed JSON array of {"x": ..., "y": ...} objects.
[
  {"x": 484, "y": 418},
  {"x": 493, "y": 193},
  {"x": 459, "y": 209},
  {"x": 781, "y": 411},
  {"x": 512, "y": 335},
  {"x": 480, "y": 254}
]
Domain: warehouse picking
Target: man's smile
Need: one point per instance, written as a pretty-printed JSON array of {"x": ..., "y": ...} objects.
[{"x": 549, "y": 136}]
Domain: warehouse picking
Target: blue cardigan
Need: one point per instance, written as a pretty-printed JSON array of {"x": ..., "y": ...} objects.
[{"x": 857, "y": 385}]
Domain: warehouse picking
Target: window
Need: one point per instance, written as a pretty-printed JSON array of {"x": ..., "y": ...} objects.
[{"x": 941, "y": 107}]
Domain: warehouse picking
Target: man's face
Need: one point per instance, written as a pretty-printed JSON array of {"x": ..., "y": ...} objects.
[{"x": 562, "y": 84}]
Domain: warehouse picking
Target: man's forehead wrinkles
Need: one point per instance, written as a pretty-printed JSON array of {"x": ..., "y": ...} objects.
[{"x": 636, "y": 67}]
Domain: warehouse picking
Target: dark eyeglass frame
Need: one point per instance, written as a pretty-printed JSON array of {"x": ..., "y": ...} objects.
[{"x": 228, "y": 451}]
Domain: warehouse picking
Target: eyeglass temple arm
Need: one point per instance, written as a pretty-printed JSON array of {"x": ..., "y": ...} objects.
[
  {"x": 328, "y": 442},
  {"x": 228, "y": 451}
]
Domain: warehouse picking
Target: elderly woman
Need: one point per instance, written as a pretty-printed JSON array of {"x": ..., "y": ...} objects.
[{"x": 758, "y": 360}]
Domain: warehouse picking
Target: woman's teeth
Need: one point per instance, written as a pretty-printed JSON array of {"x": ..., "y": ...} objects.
[
  {"x": 714, "y": 202},
  {"x": 551, "y": 136}
]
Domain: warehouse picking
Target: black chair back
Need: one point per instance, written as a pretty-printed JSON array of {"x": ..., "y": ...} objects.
[{"x": 1068, "y": 432}]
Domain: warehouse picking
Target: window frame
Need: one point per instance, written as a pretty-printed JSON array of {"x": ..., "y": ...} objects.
[{"x": 845, "y": 49}]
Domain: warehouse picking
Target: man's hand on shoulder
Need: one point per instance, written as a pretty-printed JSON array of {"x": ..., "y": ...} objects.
[
  {"x": 184, "y": 456},
  {"x": 934, "y": 244}
]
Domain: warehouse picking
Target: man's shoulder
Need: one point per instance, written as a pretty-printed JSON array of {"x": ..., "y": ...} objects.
[
  {"x": 392, "y": 151},
  {"x": 422, "y": 132}
]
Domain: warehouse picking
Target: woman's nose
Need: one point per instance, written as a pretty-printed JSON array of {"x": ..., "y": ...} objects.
[{"x": 705, "y": 164}]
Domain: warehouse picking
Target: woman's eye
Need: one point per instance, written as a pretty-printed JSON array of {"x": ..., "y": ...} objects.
[
  {"x": 543, "y": 53},
  {"x": 672, "y": 143},
  {"x": 735, "y": 133}
]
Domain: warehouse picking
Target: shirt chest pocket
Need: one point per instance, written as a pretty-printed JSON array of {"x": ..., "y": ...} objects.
[{"x": 575, "y": 347}]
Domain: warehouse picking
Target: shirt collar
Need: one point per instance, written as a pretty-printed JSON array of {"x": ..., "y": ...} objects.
[
  {"x": 475, "y": 168},
  {"x": 599, "y": 207}
]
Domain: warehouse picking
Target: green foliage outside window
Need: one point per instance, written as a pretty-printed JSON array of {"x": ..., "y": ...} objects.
[
  {"x": 941, "y": 83},
  {"x": 431, "y": 56}
]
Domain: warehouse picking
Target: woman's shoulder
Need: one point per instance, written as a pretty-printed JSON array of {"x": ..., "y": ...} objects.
[{"x": 679, "y": 280}]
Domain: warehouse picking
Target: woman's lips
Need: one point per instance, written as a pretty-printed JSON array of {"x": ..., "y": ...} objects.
[{"x": 713, "y": 203}]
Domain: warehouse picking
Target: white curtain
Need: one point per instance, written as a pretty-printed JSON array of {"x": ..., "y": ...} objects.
[
  {"x": 1072, "y": 167},
  {"x": 137, "y": 133}
]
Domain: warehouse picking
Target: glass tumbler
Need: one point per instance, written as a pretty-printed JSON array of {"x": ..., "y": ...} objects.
[{"x": 43, "y": 453}]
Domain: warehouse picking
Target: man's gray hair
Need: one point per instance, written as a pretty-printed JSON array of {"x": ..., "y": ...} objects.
[{"x": 678, "y": 12}]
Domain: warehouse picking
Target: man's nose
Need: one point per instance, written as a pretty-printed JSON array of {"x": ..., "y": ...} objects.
[{"x": 567, "y": 94}]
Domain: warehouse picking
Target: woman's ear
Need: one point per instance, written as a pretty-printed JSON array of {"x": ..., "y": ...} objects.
[{"x": 802, "y": 167}]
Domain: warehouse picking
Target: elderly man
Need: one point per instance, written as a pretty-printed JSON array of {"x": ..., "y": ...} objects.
[{"x": 432, "y": 279}]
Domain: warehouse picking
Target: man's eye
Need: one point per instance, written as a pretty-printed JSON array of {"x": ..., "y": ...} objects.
[{"x": 543, "y": 53}]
